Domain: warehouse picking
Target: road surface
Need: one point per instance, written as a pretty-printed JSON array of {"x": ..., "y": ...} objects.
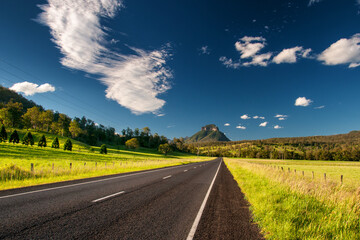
[{"x": 167, "y": 203}]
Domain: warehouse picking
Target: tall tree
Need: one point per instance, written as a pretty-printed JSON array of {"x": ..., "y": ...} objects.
[
  {"x": 46, "y": 119},
  {"x": 3, "y": 134},
  {"x": 14, "y": 137},
  {"x": 74, "y": 128},
  {"x": 10, "y": 115},
  {"x": 55, "y": 143},
  {"x": 32, "y": 117},
  {"x": 42, "y": 141},
  {"x": 28, "y": 139}
]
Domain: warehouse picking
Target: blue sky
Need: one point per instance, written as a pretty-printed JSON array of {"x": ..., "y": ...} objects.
[{"x": 177, "y": 65}]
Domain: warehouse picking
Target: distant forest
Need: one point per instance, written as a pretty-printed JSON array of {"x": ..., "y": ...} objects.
[
  {"x": 18, "y": 112},
  {"x": 341, "y": 147}
]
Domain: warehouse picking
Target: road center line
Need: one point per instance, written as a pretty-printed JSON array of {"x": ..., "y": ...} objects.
[
  {"x": 201, "y": 210},
  {"x": 167, "y": 177},
  {"x": 185, "y": 170},
  {"x": 109, "y": 196},
  {"x": 84, "y": 183}
]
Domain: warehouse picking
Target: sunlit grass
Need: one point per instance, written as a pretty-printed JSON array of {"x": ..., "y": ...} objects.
[
  {"x": 291, "y": 206},
  {"x": 53, "y": 165}
]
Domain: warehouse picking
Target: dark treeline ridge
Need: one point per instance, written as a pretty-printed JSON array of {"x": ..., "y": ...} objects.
[
  {"x": 18, "y": 112},
  {"x": 341, "y": 147}
]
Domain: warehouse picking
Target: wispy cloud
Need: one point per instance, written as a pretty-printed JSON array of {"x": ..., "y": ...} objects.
[
  {"x": 264, "y": 124},
  {"x": 344, "y": 51},
  {"x": 241, "y": 127},
  {"x": 312, "y": 2},
  {"x": 303, "y": 102},
  {"x": 258, "y": 117},
  {"x": 229, "y": 63},
  {"x": 205, "y": 50},
  {"x": 280, "y": 116},
  {"x": 282, "y": 119},
  {"x": 277, "y": 127},
  {"x": 227, "y": 124},
  {"x": 245, "y": 116},
  {"x": 134, "y": 81},
  {"x": 319, "y": 107},
  {"x": 30, "y": 89}
]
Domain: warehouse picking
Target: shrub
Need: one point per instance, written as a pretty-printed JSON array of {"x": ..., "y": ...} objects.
[
  {"x": 42, "y": 141},
  {"x": 165, "y": 148},
  {"x": 3, "y": 134},
  {"x": 28, "y": 139},
  {"x": 14, "y": 137},
  {"x": 132, "y": 143},
  {"x": 103, "y": 149},
  {"x": 68, "y": 145},
  {"x": 55, "y": 143}
]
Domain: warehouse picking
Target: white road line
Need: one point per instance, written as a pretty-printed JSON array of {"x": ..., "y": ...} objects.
[
  {"x": 194, "y": 167},
  {"x": 201, "y": 210},
  {"x": 95, "y": 181},
  {"x": 185, "y": 170},
  {"x": 109, "y": 196},
  {"x": 167, "y": 177}
]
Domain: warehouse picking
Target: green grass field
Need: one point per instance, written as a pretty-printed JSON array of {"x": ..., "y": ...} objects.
[
  {"x": 288, "y": 205},
  {"x": 53, "y": 165}
]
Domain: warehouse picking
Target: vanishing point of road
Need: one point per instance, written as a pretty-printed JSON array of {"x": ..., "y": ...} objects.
[{"x": 192, "y": 201}]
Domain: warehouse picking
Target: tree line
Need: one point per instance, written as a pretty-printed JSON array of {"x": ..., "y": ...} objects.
[{"x": 14, "y": 115}]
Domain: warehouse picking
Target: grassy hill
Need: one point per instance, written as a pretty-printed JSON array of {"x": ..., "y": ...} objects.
[{"x": 53, "y": 165}]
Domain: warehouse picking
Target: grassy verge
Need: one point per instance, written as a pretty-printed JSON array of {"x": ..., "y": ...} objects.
[
  {"x": 53, "y": 165},
  {"x": 291, "y": 206}
]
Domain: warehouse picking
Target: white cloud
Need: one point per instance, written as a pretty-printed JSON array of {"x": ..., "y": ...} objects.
[
  {"x": 245, "y": 116},
  {"x": 249, "y": 46},
  {"x": 227, "y": 124},
  {"x": 303, "y": 102},
  {"x": 280, "y": 116},
  {"x": 241, "y": 127},
  {"x": 277, "y": 127},
  {"x": 262, "y": 117},
  {"x": 319, "y": 107},
  {"x": 205, "y": 50},
  {"x": 264, "y": 124},
  {"x": 30, "y": 89},
  {"x": 134, "y": 81},
  {"x": 290, "y": 55},
  {"x": 344, "y": 51},
  {"x": 229, "y": 63},
  {"x": 282, "y": 119},
  {"x": 312, "y": 2},
  {"x": 259, "y": 60},
  {"x": 255, "y": 117}
]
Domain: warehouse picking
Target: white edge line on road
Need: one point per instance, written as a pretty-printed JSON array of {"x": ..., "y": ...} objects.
[
  {"x": 201, "y": 210},
  {"x": 185, "y": 170},
  {"x": 95, "y": 181},
  {"x": 167, "y": 177},
  {"x": 109, "y": 196}
]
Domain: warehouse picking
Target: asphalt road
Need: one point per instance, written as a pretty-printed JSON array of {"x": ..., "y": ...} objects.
[{"x": 157, "y": 204}]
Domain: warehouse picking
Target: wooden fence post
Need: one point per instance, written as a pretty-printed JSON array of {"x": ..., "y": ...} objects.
[
  {"x": 341, "y": 178},
  {"x": 289, "y": 169},
  {"x": 53, "y": 166},
  {"x": 282, "y": 169},
  {"x": 70, "y": 165},
  {"x": 84, "y": 164},
  {"x": 32, "y": 167},
  {"x": 313, "y": 174},
  {"x": 295, "y": 171},
  {"x": 303, "y": 173},
  {"x": 95, "y": 164},
  {"x": 325, "y": 176}
]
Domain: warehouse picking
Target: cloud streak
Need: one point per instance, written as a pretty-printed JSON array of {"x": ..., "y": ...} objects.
[
  {"x": 134, "y": 81},
  {"x": 30, "y": 89}
]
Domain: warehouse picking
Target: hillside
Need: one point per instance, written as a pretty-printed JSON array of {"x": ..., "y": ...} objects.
[
  {"x": 208, "y": 133},
  {"x": 6, "y": 95}
]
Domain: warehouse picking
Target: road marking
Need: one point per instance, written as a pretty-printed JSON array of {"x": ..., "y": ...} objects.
[
  {"x": 167, "y": 177},
  {"x": 194, "y": 167},
  {"x": 185, "y": 170},
  {"x": 109, "y": 196},
  {"x": 95, "y": 181},
  {"x": 201, "y": 210}
]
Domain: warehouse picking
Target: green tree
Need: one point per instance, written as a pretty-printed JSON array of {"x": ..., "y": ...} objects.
[
  {"x": 132, "y": 143},
  {"x": 103, "y": 149},
  {"x": 165, "y": 148},
  {"x": 46, "y": 119},
  {"x": 42, "y": 141},
  {"x": 3, "y": 134},
  {"x": 55, "y": 143},
  {"x": 74, "y": 128},
  {"x": 68, "y": 145},
  {"x": 32, "y": 118},
  {"x": 64, "y": 123},
  {"x": 10, "y": 115},
  {"x": 14, "y": 137},
  {"x": 28, "y": 139}
]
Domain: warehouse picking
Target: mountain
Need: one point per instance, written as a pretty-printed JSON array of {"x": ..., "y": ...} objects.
[{"x": 208, "y": 133}]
